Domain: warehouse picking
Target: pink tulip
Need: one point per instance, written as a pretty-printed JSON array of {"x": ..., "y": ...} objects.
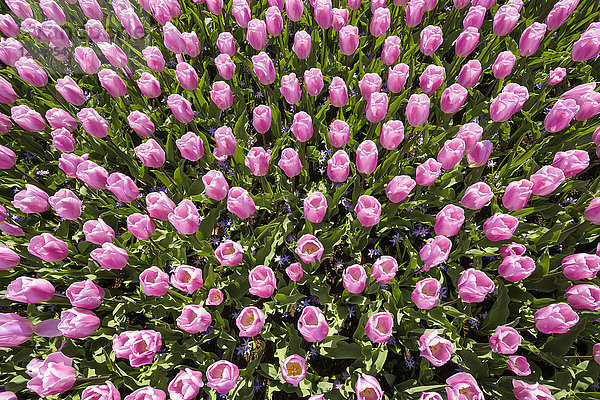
[
  {"x": 556, "y": 76},
  {"x": 229, "y": 253},
  {"x": 87, "y": 60},
  {"x": 391, "y": 50},
  {"x": 31, "y": 200},
  {"x": 295, "y": 271},
  {"x": 392, "y": 133},
  {"x": 139, "y": 347},
  {"x": 338, "y": 92},
  {"x": 505, "y": 20},
  {"x": 571, "y": 162},
  {"x": 114, "y": 54},
  {"x": 294, "y": 9},
  {"x": 240, "y": 203},
  {"x": 417, "y": 110},
  {"x": 469, "y": 74},
  {"x": 215, "y": 185},
  {"x": 7, "y": 93},
  {"x": 181, "y": 108},
  {"x": 149, "y": 85},
  {"x": 12, "y": 51},
  {"x": 584, "y": 296},
  {"x": 92, "y": 174},
  {"x": 384, "y": 269},
  {"x": 258, "y": 160},
  {"x": 431, "y": 39},
  {"x": 435, "y": 349},
  {"x": 428, "y": 172},
  {"x": 98, "y": 232},
  {"x": 264, "y": 68},
  {"x": 377, "y": 107},
  {"x": 477, "y": 196},
  {"x": 8, "y": 26},
  {"x": 78, "y": 323},
  {"x": 226, "y": 43},
  {"x": 187, "y": 278},
  {"x": 225, "y": 66},
  {"x": 261, "y": 118},
  {"x": 588, "y": 45},
  {"x": 504, "y": 64},
  {"x": 222, "y": 376},
  {"x": 159, "y": 205},
  {"x": 340, "y": 18},
  {"x": 256, "y": 34},
  {"x": 397, "y": 77},
  {"x": 140, "y": 123},
  {"x": 173, "y": 39},
  {"x": 505, "y": 340},
  {"x": 154, "y": 58},
  {"x": 431, "y": 79},
  {"x": 262, "y": 281},
  {"x": 290, "y": 88},
  {"x": 194, "y": 319},
  {"x": 110, "y": 256},
  {"x": 515, "y": 268},
  {"x": 302, "y": 127},
  {"x": 519, "y": 365},
  {"x": 7, "y": 158},
  {"x": 30, "y": 71},
  {"x": 449, "y": 220},
  {"x": 354, "y": 279},
  {"x": 154, "y": 282},
  {"x": 66, "y": 204},
  {"x": 250, "y": 321},
  {"x": 225, "y": 141},
  {"x": 592, "y": 212},
  {"x": 323, "y": 13},
  {"x": 187, "y": 76},
  {"x": 555, "y": 318},
  {"x": 580, "y": 266},
  {"x": 48, "y": 248},
  {"x": 517, "y": 194},
  {"x": 302, "y": 45},
  {"x": 435, "y": 252},
  {"x": 8, "y": 258},
  {"x": 29, "y": 290},
  {"x": 560, "y": 115},
  {"x": 380, "y": 22},
  {"x": 185, "y": 386},
  {"x": 504, "y": 107},
  {"x": 221, "y": 95},
  {"x": 151, "y": 154},
  {"x": 313, "y": 325},
  {"x": 379, "y": 327},
  {"x": 242, "y": 13},
  {"x": 547, "y": 180},
  {"x": 293, "y": 369},
  {"x": 369, "y": 84},
  {"x": 96, "y": 32},
  {"x": 348, "y": 39},
  {"x": 480, "y": 154},
  {"x": 467, "y": 41},
  {"x": 339, "y": 133},
  {"x": 85, "y": 294},
  {"x": 274, "y": 21},
  {"x": 51, "y": 376},
  {"x": 399, "y": 188},
  {"x": 560, "y": 12},
  {"x": 112, "y": 82},
  {"x": 191, "y": 146},
  {"x": 531, "y": 39},
  {"x": 141, "y": 226},
  {"x": 427, "y": 293},
  {"x": 313, "y": 81},
  {"x": 309, "y": 249},
  {"x": 368, "y": 210},
  {"x": 414, "y": 12},
  {"x": 315, "y": 207},
  {"x": 451, "y": 153},
  {"x": 185, "y": 218},
  {"x": 93, "y": 123},
  {"x": 5, "y": 124},
  {"x": 500, "y": 227},
  {"x": 524, "y": 391},
  {"x": 474, "y": 285}
]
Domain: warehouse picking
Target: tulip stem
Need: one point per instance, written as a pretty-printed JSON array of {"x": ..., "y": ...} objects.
[
  {"x": 169, "y": 177},
  {"x": 323, "y": 49},
  {"x": 579, "y": 357},
  {"x": 449, "y": 302},
  {"x": 552, "y": 274},
  {"x": 96, "y": 378},
  {"x": 28, "y": 177}
]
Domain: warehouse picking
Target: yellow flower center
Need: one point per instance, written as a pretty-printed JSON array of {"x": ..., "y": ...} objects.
[{"x": 294, "y": 369}]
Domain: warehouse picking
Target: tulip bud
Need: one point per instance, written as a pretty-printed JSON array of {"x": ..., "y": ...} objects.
[
  {"x": 417, "y": 110},
  {"x": 431, "y": 39},
  {"x": 348, "y": 38},
  {"x": 215, "y": 185},
  {"x": 380, "y": 22},
  {"x": 531, "y": 39}
]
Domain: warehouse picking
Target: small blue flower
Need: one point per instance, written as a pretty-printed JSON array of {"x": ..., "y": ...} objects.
[
  {"x": 374, "y": 253},
  {"x": 410, "y": 362},
  {"x": 351, "y": 312}
]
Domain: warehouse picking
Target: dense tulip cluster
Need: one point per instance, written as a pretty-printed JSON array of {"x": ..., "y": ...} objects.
[{"x": 288, "y": 199}]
